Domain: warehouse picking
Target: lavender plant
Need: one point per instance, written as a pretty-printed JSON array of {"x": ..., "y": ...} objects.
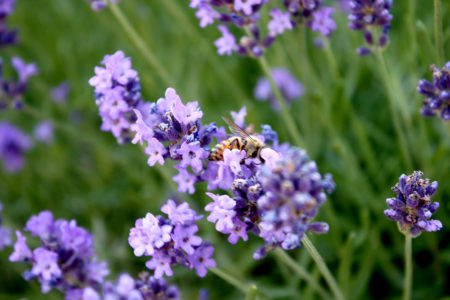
[
  {"x": 437, "y": 93},
  {"x": 171, "y": 241},
  {"x": 13, "y": 145},
  {"x": 7, "y": 36},
  {"x": 370, "y": 16}
]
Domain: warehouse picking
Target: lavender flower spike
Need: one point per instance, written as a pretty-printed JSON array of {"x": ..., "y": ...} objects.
[
  {"x": 437, "y": 93},
  {"x": 366, "y": 15},
  {"x": 412, "y": 208},
  {"x": 171, "y": 241},
  {"x": 13, "y": 144}
]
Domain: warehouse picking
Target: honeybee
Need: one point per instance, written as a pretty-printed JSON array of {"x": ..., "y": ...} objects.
[{"x": 242, "y": 141}]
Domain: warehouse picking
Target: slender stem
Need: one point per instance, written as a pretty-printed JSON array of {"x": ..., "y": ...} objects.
[
  {"x": 323, "y": 268},
  {"x": 291, "y": 126},
  {"x": 408, "y": 267},
  {"x": 301, "y": 272},
  {"x": 139, "y": 43},
  {"x": 438, "y": 31},
  {"x": 393, "y": 109},
  {"x": 230, "y": 279},
  {"x": 252, "y": 293},
  {"x": 331, "y": 60}
]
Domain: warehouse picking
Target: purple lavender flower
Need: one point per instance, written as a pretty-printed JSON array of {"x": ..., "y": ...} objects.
[
  {"x": 366, "y": 15},
  {"x": 7, "y": 36},
  {"x": 46, "y": 264},
  {"x": 247, "y": 13},
  {"x": 13, "y": 144},
  {"x": 437, "y": 93},
  {"x": 227, "y": 43},
  {"x": 293, "y": 192},
  {"x": 280, "y": 22},
  {"x": 66, "y": 259},
  {"x": 117, "y": 93},
  {"x": 239, "y": 117},
  {"x": 43, "y": 132},
  {"x": 21, "y": 251},
  {"x": 171, "y": 241},
  {"x": 14, "y": 89},
  {"x": 290, "y": 87},
  {"x": 144, "y": 288},
  {"x": 173, "y": 130},
  {"x": 5, "y": 233},
  {"x": 98, "y": 5},
  {"x": 412, "y": 208},
  {"x": 60, "y": 92},
  {"x": 322, "y": 21}
]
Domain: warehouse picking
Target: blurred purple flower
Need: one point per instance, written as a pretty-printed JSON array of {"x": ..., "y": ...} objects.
[
  {"x": 322, "y": 21},
  {"x": 239, "y": 117},
  {"x": 60, "y": 92},
  {"x": 366, "y": 15},
  {"x": 5, "y": 233},
  {"x": 290, "y": 87},
  {"x": 66, "y": 259},
  {"x": 13, "y": 144},
  {"x": 437, "y": 93},
  {"x": 98, "y": 5},
  {"x": 43, "y": 132},
  {"x": 413, "y": 207},
  {"x": 7, "y": 37},
  {"x": 227, "y": 43},
  {"x": 24, "y": 70}
]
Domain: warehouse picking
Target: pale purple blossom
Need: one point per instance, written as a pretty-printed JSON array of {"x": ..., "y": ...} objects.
[
  {"x": 60, "y": 92},
  {"x": 155, "y": 150},
  {"x": 227, "y": 43},
  {"x": 21, "y": 250},
  {"x": 46, "y": 264},
  {"x": 185, "y": 180},
  {"x": 192, "y": 155},
  {"x": 24, "y": 70},
  {"x": 322, "y": 21},
  {"x": 184, "y": 238},
  {"x": 280, "y": 22},
  {"x": 201, "y": 260},
  {"x": 239, "y": 117},
  {"x": 43, "y": 131},
  {"x": 222, "y": 212}
]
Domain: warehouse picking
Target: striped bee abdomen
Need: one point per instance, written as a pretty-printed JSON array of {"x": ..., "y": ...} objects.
[{"x": 234, "y": 142}]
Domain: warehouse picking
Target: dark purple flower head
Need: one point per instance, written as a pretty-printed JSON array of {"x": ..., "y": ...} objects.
[
  {"x": 290, "y": 87},
  {"x": 171, "y": 241},
  {"x": 66, "y": 258},
  {"x": 14, "y": 89},
  {"x": 7, "y": 36},
  {"x": 412, "y": 208},
  {"x": 13, "y": 144},
  {"x": 437, "y": 93},
  {"x": 367, "y": 15},
  {"x": 117, "y": 93}
]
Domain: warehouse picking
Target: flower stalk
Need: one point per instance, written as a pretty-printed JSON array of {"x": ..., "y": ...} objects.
[
  {"x": 140, "y": 44},
  {"x": 408, "y": 267},
  {"x": 323, "y": 268},
  {"x": 438, "y": 31},
  {"x": 290, "y": 123},
  {"x": 393, "y": 109},
  {"x": 230, "y": 279}
]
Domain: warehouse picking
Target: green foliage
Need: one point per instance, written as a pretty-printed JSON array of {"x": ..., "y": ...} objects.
[{"x": 344, "y": 120}]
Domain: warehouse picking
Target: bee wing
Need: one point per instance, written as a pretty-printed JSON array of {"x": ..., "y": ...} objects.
[{"x": 236, "y": 129}]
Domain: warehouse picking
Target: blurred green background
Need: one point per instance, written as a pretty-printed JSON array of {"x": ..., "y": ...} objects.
[{"x": 85, "y": 175}]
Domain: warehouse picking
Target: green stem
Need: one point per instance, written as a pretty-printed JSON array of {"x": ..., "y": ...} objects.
[
  {"x": 139, "y": 43},
  {"x": 393, "y": 109},
  {"x": 289, "y": 121},
  {"x": 301, "y": 272},
  {"x": 323, "y": 268},
  {"x": 438, "y": 31},
  {"x": 230, "y": 279},
  {"x": 408, "y": 267},
  {"x": 252, "y": 293},
  {"x": 331, "y": 60}
]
